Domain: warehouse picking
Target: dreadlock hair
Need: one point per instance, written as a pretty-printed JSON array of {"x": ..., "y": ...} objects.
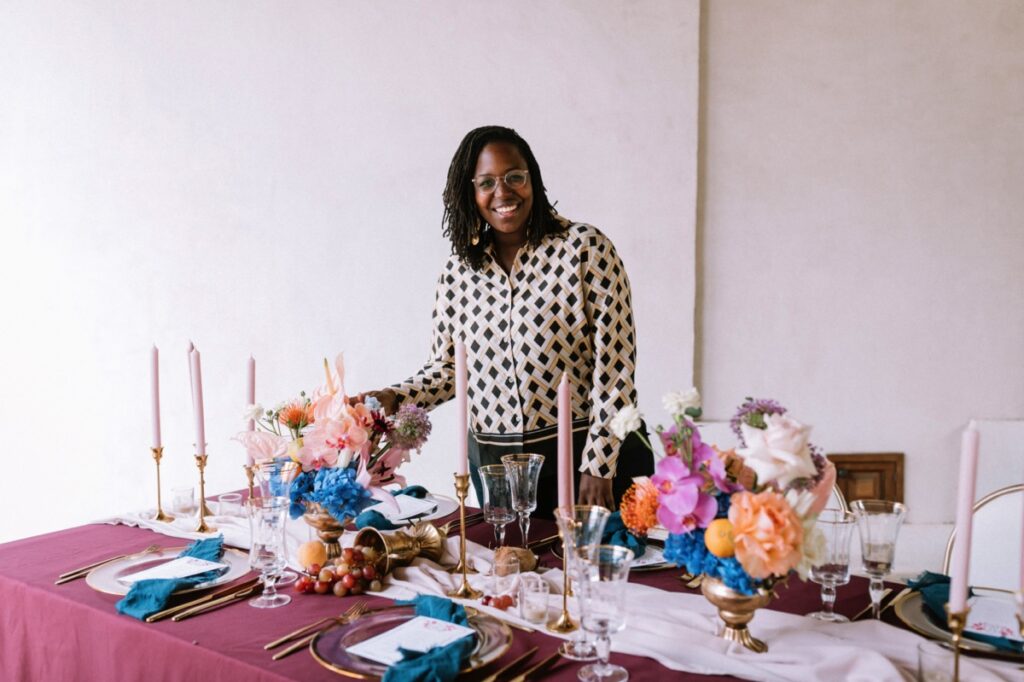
[{"x": 462, "y": 217}]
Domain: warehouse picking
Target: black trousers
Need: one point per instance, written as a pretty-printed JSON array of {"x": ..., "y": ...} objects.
[{"x": 634, "y": 460}]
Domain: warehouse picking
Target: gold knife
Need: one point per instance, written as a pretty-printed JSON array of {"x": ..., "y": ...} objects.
[
  {"x": 860, "y": 614},
  {"x": 160, "y": 615},
  {"x": 510, "y": 666},
  {"x": 537, "y": 668},
  {"x": 216, "y": 603}
]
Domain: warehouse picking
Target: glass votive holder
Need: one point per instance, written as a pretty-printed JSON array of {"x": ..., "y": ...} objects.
[
  {"x": 934, "y": 662},
  {"x": 229, "y": 504},
  {"x": 183, "y": 499},
  {"x": 533, "y": 598},
  {"x": 504, "y": 574}
]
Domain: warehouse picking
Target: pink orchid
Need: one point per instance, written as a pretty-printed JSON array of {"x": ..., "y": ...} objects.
[
  {"x": 683, "y": 507},
  {"x": 262, "y": 446}
]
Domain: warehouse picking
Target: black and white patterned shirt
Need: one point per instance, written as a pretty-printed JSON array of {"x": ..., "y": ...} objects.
[{"x": 565, "y": 306}]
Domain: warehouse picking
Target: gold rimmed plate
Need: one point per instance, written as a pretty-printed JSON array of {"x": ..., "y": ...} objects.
[
  {"x": 653, "y": 558},
  {"x": 330, "y": 647},
  {"x": 107, "y": 578},
  {"x": 910, "y": 610}
]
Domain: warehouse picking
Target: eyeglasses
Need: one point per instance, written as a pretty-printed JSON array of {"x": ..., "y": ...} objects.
[{"x": 514, "y": 179}]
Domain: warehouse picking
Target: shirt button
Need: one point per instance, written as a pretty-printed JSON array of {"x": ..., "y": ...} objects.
[{"x": 510, "y": 382}]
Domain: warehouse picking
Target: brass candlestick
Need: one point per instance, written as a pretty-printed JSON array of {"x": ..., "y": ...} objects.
[
  {"x": 158, "y": 454},
  {"x": 564, "y": 623},
  {"x": 956, "y": 622},
  {"x": 203, "y": 527},
  {"x": 461, "y": 490},
  {"x": 250, "y": 474}
]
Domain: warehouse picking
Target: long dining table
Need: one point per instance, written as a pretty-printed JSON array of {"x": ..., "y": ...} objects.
[{"x": 72, "y": 632}]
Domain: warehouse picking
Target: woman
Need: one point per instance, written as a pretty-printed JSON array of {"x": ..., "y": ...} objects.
[{"x": 532, "y": 295}]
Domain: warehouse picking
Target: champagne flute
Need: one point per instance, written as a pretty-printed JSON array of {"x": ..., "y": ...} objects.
[
  {"x": 498, "y": 509},
  {"x": 266, "y": 551},
  {"x": 878, "y": 523},
  {"x": 523, "y": 475},
  {"x": 604, "y": 580},
  {"x": 834, "y": 567}
]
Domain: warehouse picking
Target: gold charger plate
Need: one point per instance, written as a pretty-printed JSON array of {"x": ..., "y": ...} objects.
[
  {"x": 106, "y": 578},
  {"x": 329, "y": 648},
  {"x": 910, "y": 610}
]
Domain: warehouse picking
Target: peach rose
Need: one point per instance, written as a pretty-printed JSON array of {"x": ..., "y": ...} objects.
[{"x": 769, "y": 536}]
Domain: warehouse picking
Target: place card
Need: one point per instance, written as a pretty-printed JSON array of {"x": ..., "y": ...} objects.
[
  {"x": 182, "y": 567},
  {"x": 652, "y": 556},
  {"x": 993, "y": 616},
  {"x": 421, "y": 633},
  {"x": 408, "y": 507}
]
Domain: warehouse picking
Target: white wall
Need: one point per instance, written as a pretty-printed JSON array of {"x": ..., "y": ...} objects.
[
  {"x": 265, "y": 178},
  {"x": 863, "y": 236}
]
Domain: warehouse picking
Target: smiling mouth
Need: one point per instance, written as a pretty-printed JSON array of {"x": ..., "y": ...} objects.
[{"x": 506, "y": 210}]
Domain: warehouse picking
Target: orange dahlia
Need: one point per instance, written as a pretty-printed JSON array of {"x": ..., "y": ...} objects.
[{"x": 639, "y": 506}]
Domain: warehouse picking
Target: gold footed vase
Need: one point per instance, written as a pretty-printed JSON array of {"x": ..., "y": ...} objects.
[
  {"x": 328, "y": 528},
  {"x": 736, "y": 610}
]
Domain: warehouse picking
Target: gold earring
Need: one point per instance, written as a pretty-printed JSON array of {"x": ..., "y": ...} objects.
[{"x": 475, "y": 238}]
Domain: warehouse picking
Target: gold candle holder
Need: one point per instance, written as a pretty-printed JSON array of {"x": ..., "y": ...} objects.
[
  {"x": 465, "y": 591},
  {"x": 203, "y": 527},
  {"x": 564, "y": 623},
  {"x": 158, "y": 454},
  {"x": 956, "y": 621},
  {"x": 250, "y": 473}
]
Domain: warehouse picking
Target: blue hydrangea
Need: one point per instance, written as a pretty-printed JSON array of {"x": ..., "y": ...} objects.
[
  {"x": 724, "y": 502},
  {"x": 302, "y": 488},
  {"x": 336, "y": 490},
  {"x": 689, "y": 550}
]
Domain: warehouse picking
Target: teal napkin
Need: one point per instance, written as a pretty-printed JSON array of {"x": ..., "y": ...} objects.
[
  {"x": 146, "y": 597},
  {"x": 616, "y": 533},
  {"x": 934, "y": 589},
  {"x": 377, "y": 520},
  {"x": 440, "y": 664}
]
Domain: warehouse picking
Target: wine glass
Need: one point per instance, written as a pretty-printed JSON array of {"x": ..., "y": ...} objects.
[
  {"x": 581, "y": 531},
  {"x": 604, "y": 576},
  {"x": 266, "y": 552},
  {"x": 834, "y": 567},
  {"x": 274, "y": 478},
  {"x": 878, "y": 523},
  {"x": 498, "y": 509},
  {"x": 523, "y": 474}
]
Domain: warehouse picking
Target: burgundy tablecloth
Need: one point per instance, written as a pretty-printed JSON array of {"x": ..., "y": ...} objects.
[{"x": 71, "y": 632}]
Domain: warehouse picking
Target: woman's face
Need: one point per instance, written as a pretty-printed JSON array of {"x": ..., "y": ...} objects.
[{"x": 505, "y": 209}]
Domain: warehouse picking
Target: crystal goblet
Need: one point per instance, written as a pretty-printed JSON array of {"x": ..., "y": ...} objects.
[
  {"x": 274, "y": 478},
  {"x": 581, "y": 531},
  {"x": 605, "y": 574},
  {"x": 878, "y": 523},
  {"x": 834, "y": 567},
  {"x": 266, "y": 551},
  {"x": 523, "y": 475},
  {"x": 498, "y": 508}
]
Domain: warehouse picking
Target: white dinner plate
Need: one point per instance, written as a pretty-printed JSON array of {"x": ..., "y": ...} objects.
[
  {"x": 106, "y": 578},
  {"x": 910, "y": 609},
  {"x": 444, "y": 506}
]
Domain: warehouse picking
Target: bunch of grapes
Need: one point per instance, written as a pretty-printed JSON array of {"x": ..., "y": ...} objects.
[{"x": 352, "y": 573}]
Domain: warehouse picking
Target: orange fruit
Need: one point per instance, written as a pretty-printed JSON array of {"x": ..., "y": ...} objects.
[
  {"x": 312, "y": 552},
  {"x": 718, "y": 538}
]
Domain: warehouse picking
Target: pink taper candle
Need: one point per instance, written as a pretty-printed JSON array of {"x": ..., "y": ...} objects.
[
  {"x": 197, "y": 399},
  {"x": 959, "y": 570},
  {"x": 461, "y": 401},
  {"x": 155, "y": 383},
  {"x": 565, "y": 473}
]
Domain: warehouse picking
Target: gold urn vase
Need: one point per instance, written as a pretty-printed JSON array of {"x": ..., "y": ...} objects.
[
  {"x": 328, "y": 528},
  {"x": 400, "y": 547},
  {"x": 736, "y": 610}
]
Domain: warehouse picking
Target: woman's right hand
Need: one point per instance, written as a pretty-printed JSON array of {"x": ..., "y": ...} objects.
[{"x": 387, "y": 398}]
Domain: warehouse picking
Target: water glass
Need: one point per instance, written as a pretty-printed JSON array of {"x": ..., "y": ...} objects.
[
  {"x": 878, "y": 523},
  {"x": 533, "y": 599},
  {"x": 523, "y": 475},
  {"x": 229, "y": 504},
  {"x": 604, "y": 576},
  {"x": 266, "y": 551},
  {"x": 274, "y": 478},
  {"x": 581, "y": 532},
  {"x": 934, "y": 662},
  {"x": 834, "y": 567},
  {"x": 183, "y": 499},
  {"x": 498, "y": 509},
  {"x": 504, "y": 574}
]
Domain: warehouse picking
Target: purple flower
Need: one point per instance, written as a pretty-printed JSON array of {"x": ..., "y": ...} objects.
[
  {"x": 411, "y": 428},
  {"x": 682, "y": 505},
  {"x": 752, "y": 412}
]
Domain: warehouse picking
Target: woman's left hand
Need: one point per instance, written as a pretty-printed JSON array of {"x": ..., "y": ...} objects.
[{"x": 594, "y": 490}]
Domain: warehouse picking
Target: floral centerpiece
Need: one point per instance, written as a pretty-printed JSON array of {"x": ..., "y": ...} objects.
[
  {"x": 343, "y": 450},
  {"x": 743, "y": 519}
]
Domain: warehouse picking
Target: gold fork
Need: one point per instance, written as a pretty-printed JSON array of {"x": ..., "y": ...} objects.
[
  {"x": 305, "y": 630},
  {"x": 80, "y": 572},
  {"x": 352, "y": 614}
]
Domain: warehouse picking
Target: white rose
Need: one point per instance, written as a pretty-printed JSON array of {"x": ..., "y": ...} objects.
[
  {"x": 625, "y": 421},
  {"x": 676, "y": 403},
  {"x": 779, "y": 452}
]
